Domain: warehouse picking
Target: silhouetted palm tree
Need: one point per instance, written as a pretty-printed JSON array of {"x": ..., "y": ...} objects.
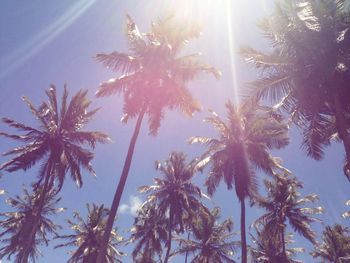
[
  {"x": 154, "y": 79},
  {"x": 267, "y": 248},
  {"x": 149, "y": 232},
  {"x": 335, "y": 246},
  {"x": 18, "y": 223},
  {"x": 212, "y": 240},
  {"x": 307, "y": 72},
  {"x": 57, "y": 143},
  {"x": 175, "y": 196},
  {"x": 245, "y": 139},
  {"x": 283, "y": 202},
  {"x": 87, "y": 237}
]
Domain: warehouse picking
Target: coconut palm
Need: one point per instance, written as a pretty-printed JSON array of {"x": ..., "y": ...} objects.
[
  {"x": 267, "y": 248},
  {"x": 154, "y": 78},
  {"x": 283, "y": 203},
  {"x": 57, "y": 143},
  {"x": 149, "y": 232},
  {"x": 175, "y": 196},
  {"x": 335, "y": 246},
  {"x": 17, "y": 224},
  {"x": 307, "y": 72},
  {"x": 245, "y": 139},
  {"x": 212, "y": 241},
  {"x": 87, "y": 237}
]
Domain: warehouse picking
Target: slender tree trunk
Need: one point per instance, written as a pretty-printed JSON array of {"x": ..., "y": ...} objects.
[
  {"x": 243, "y": 232},
  {"x": 31, "y": 235},
  {"x": 283, "y": 244},
  {"x": 170, "y": 227},
  {"x": 342, "y": 126},
  {"x": 120, "y": 189},
  {"x": 188, "y": 238}
]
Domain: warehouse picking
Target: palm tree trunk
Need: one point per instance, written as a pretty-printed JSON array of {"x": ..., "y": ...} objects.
[
  {"x": 31, "y": 235},
  {"x": 120, "y": 189},
  {"x": 243, "y": 232},
  {"x": 169, "y": 236},
  {"x": 283, "y": 244},
  {"x": 342, "y": 126},
  {"x": 188, "y": 238}
]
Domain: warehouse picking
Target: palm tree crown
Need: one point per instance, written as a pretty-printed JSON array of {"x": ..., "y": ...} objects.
[
  {"x": 335, "y": 246},
  {"x": 212, "y": 240},
  {"x": 307, "y": 71},
  {"x": 243, "y": 145},
  {"x": 87, "y": 237},
  {"x": 154, "y": 74},
  {"x": 283, "y": 203},
  {"x": 148, "y": 233},
  {"x": 58, "y": 141},
  {"x": 175, "y": 196},
  {"x": 267, "y": 248},
  {"x": 18, "y": 224}
]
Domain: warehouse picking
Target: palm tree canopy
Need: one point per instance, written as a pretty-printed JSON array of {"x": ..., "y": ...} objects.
[
  {"x": 243, "y": 145},
  {"x": 309, "y": 64},
  {"x": 148, "y": 233},
  {"x": 17, "y": 224},
  {"x": 175, "y": 191},
  {"x": 267, "y": 249},
  {"x": 283, "y": 202},
  {"x": 212, "y": 240},
  {"x": 87, "y": 236},
  {"x": 58, "y": 141},
  {"x": 154, "y": 74},
  {"x": 335, "y": 246}
]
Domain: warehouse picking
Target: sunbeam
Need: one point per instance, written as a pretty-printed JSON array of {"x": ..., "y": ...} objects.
[{"x": 18, "y": 57}]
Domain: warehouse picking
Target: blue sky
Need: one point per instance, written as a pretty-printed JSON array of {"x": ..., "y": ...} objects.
[{"x": 44, "y": 42}]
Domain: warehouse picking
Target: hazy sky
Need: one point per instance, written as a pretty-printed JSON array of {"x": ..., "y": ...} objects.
[{"x": 44, "y": 42}]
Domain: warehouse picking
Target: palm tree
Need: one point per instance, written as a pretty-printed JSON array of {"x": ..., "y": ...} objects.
[
  {"x": 17, "y": 224},
  {"x": 335, "y": 246},
  {"x": 267, "y": 248},
  {"x": 243, "y": 146},
  {"x": 175, "y": 196},
  {"x": 149, "y": 232},
  {"x": 154, "y": 78},
  {"x": 87, "y": 237},
  {"x": 212, "y": 240},
  {"x": 283, "y": 203},
  {"x": 307, "y": 72},
  {"x": 57, "y": 143}
]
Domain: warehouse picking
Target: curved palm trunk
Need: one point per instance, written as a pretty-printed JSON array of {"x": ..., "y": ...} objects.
[
  {"x": 166, "y": 259},
  {"x": 31, "y": 235},
  {"x": 120, "y": 189},
  {"x": 342, "y": 127},
  {"x": 243, "y": 232}
]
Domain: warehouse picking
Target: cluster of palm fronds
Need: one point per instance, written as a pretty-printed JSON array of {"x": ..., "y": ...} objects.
[{"x": 306, "y": 76}]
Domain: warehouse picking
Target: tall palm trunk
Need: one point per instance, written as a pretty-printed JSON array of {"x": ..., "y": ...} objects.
[
  {"x": 119, "y": 190},
  {"x": 342, "y": 126},
  {"x": 34, "y": 227},
  {"x": 243, "y": 232},
  {"x": 188, "y": 239},
  {"x": 170, "y": 228},
  {"x": 283, "y": 244}
]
